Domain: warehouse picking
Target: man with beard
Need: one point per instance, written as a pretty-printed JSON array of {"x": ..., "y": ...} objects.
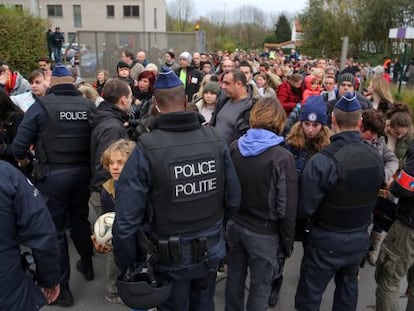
[{"x": 290, "y": 92}]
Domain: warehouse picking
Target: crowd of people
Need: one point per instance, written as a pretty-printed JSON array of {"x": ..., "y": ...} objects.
[{"x": 214, "y": 162}]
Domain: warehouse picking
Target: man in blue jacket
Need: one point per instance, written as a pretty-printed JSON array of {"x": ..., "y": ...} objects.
[{"x": 25, "y": 220}]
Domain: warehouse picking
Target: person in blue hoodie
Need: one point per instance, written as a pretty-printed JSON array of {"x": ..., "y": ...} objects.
[{"x": 262, "y": 230}]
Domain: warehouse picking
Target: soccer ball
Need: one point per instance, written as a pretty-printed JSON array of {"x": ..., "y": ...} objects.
[{"x": 103, "y": 229}]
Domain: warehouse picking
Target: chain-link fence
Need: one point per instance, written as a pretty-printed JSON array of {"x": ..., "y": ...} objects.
[{"x": 106, "y": 47}]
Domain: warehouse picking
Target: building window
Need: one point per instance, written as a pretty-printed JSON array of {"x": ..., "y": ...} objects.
[
  {"x": 155, "y": 18},
  {"x": 71, "y": 36},
  {"x": 77, "y": 16},
  {"x": 110, "y": 11},
  {"x": 54, "y": 11},
  {"x": 131, "y": 10},
  {"x": 18, "y": 7}
]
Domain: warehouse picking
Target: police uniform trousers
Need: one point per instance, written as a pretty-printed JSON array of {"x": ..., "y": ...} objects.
[
  {"x": 193, "y": 294},
  {"x": 257, "y": 252},
  {"x": 66, "y": 194},
  {"x": 331, "y": 254},
  {"x": 193, "y": 285},
  {"x": 396, "y": 260}
]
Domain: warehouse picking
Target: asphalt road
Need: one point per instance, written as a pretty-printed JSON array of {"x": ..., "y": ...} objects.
[{"x": 90, "y": 295}]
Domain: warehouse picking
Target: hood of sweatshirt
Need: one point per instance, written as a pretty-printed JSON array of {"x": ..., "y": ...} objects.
[{"x": 257, "y": 141}]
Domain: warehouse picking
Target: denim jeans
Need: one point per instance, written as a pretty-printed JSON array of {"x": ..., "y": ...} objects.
[
  {"x": 57, "y": 52},
  {"x": 257, "y": 252}
]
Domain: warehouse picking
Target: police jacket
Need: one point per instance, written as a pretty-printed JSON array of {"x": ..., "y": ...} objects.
[
  {"x": 107, "y": 124},
  {"x": 24, "y": 219},
  {"x": 181, "y": 176},
  {"x": 38, "y": 127},
  {"x": 66, "y": 138},
  {"x": 339, "y": 185},
  {"x": 403, "y": 187}
]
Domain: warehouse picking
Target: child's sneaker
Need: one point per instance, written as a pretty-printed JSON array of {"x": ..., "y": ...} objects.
[{"x": 113, "y": 298}]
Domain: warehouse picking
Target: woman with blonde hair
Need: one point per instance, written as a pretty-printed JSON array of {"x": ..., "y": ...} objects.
[
  {"x": 319, "y": 73},
  {"x": 380, "y": 89}
]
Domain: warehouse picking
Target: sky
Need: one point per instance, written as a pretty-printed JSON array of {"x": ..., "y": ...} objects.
[{"x": 268, "y": 6}]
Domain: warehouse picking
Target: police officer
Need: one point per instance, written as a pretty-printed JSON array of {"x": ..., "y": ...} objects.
[
  {"x": 25, "y": 219},
  {"x": 396, "y": 256},
  {"x": 181, "y": 174},
  {"x": 58, "y": 126},
  {"x": 338, "y": 189}
]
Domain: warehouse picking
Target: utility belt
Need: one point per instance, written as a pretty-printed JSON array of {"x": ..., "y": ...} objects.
[
  {"x": 173, "y": 250},
  {"x": 41, "y": 170}
]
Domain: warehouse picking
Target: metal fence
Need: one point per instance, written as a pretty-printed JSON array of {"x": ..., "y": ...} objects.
[{"x": 104, "y": 48}]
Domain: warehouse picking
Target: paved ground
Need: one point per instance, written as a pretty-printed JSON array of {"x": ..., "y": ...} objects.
[{"x": 90, "y": 295}]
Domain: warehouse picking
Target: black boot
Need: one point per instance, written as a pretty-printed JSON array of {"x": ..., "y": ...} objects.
[{"x": 84, "y": 266}]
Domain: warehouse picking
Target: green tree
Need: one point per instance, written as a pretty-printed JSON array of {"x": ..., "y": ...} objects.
[
  {"x": 283, "y": 32},
  {"x": 23, "y": 39},
  {"x": 270, "y": 38},
  {"x": 365, "y": 22}
]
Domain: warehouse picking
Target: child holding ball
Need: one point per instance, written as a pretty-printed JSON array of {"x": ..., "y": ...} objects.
[{"x": 113, "y": 159}]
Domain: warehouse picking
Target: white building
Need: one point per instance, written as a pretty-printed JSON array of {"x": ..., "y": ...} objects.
[{"x": 97, "y": 15}]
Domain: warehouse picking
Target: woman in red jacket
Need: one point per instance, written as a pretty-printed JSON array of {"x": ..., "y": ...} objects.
[{"x": 290, "y": 92}]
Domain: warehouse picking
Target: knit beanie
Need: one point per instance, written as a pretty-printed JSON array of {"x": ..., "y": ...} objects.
[
  {"x": 346, "y": 77},
  {"x": 121, "y": 64},
  {"x": 212, "y": 87},
  {"x": 187, "y": 56},
  {"x": 314, "y": 110}
]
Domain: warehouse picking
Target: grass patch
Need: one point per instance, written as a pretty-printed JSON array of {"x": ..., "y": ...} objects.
[{"x": 405, "y": 96}]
